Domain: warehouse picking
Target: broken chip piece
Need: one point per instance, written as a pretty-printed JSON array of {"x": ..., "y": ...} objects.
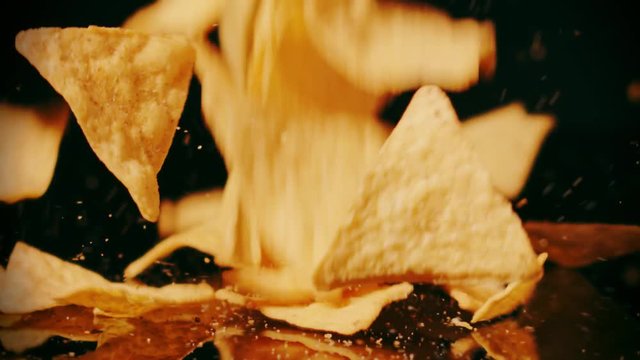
[
  {"x": 127, "y": 91},
  {"x": 29, "y": 141},
  {"x": 34, "y": 280},
  {"x": 507, "y": 141},
  {"x": 354, "y": 314},
  {"x": 428, "y": 212}
]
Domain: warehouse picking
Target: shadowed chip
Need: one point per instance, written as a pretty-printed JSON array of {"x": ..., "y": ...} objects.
[{"x": 127, "y": 91}]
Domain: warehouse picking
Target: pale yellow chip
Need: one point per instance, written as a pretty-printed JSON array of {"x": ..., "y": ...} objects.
[
  {"x": 191, "y": 18},
  {"x": 507, "y": 141},
  {"x": 127, "y": 91},
  {"x": 386, "y": 46},
  {"x": 428, "y": 212},
  {"x": 354, "y": 314},
  {"x": 190, "y": 211},
  {"x": 205, "y": 238},
  {"x": 275, "y": 286},
  {"x": 35, "y": 280},
  {"x": 29, "y": 142}
]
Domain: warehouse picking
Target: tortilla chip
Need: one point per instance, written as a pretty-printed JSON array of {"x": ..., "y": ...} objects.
[
  {"x": 204, "y": 238},
  {"x": 191, "y": 18},
  {"x": 127, "y": 91},
  {"x": 511, "y": 297},
  {"x": 386, "y": 46},
  {"x": 357, "y": 313},
  {"x": 276, "y": 286},
  {"x": 428, "y": 213},
  {"x": 35, "y": 281},
  {"x": 29, "y": 143},
  {"x": 507, "y": 141},
  {"x": 188, "y": 212}
]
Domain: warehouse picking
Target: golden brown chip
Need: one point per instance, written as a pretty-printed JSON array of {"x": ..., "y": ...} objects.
[
  {"x": 191, "y": 18},
  {"x": 507, "y": 141},
  {"x": 428, "y": 212},
  {"x": 29, "y": 142},
  {"x": 354, "y": 314},
  {"x": 127, "y": 91},
  {"x": 35, "y": 281},
  {"x": 384, "y": 46},
  {"x": 190, "y": 211},
  {"x": 20, "y": 340}
]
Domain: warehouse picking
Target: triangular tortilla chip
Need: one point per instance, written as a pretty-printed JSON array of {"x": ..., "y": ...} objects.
[
  {"x": 428, "y": 212},
  {"x": 127, "y": 91},
  {"x": 355, "y": 314},
  {"x": 35, "y": 281},
  {"x": 191, "y": 18},
  {"x": 386, "y": 46},
  {"x": 29, "y": 143},
  {"x": 507, "y": 141}
]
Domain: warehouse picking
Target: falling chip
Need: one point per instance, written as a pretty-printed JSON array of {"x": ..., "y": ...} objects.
[
  {"x": 29, "y": 142},
  {"x": 143, "y": 78}
]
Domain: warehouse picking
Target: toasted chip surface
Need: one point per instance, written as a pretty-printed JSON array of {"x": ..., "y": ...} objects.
[
  {"x": 127, "y": 91},
  {"x": 428, "y": 212},
  {"x": 35, "y": 280},
  {"x": 29, "y": 141},
  {"x": 507, "y": 141}
]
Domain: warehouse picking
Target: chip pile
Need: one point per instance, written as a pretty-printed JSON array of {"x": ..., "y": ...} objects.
[{"x": 328, "y": 215}]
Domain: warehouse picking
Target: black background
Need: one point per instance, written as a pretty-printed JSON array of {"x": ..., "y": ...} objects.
[{"x": 572, "y": 58}]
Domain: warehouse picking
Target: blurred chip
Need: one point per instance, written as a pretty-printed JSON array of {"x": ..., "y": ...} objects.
[
  {"x": 191, "y": 18},
  {"x": 29, "y": 142},
  {"x": 428, "y": 212},
  {"x": 387, "y": 46},
  {"x": 35, "y": 281},
  {"x": 507, "y": 141},
  {"x": 127, "y": 91},
  {"x": 190, "y": 211}
]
